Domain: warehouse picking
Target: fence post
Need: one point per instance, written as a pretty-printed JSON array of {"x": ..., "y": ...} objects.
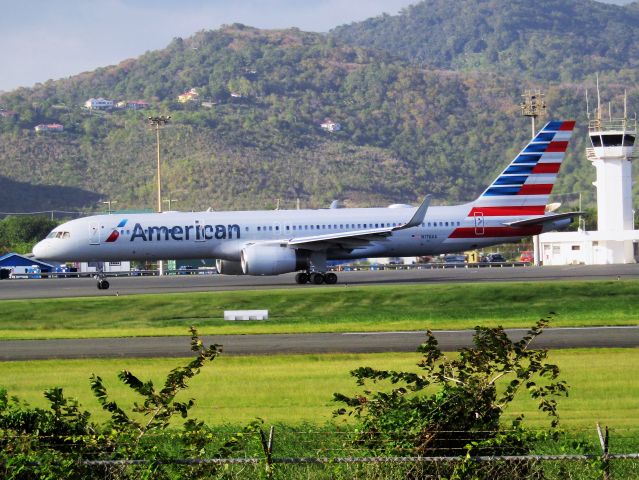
[{"x": 604, "y": 441}]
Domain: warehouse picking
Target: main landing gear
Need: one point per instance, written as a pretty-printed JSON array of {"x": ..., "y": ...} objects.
[
  {"x": 103, "y": 283},
  {"x": 316, "y": 278}
]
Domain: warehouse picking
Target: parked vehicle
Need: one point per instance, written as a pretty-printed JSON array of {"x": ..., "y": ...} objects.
[
  {"x": 455, "y": 259},
  {"x": 495, "y": 258},
  {"x": 526, "y": 256}
]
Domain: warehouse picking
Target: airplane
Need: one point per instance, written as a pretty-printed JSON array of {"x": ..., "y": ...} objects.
[{"x": 284, "y": 241}]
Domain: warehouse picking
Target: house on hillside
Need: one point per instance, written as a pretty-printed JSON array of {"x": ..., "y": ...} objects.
[
  {"x": 50, "y": 127},
  {"x": 98, "y": 104},
  {"x": 7, "y": 113},
  {"x": 190, "y": 96},
  {"x": 330, "y": 126},
  {"x": 132, "y": 104}
]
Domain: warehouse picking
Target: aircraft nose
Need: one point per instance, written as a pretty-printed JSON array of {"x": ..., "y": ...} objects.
[{"x": 40, "y": 249}]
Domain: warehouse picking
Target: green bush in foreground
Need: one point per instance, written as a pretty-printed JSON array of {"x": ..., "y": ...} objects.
[
  {"x": 48, "y": 444},
  {"x": 453, "y": 407}
]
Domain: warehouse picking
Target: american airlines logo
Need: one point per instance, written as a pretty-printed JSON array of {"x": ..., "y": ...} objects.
[
  {"x": 185, "y": 232},
  {"x": 115, "y": 233}
]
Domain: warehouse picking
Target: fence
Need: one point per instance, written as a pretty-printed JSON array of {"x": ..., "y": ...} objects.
[{"x": 258, "y": 460}]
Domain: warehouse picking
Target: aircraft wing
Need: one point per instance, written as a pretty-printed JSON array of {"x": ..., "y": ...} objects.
[
  {"x": 358, "y": 238},
  {"x": 544, "y": 219}
]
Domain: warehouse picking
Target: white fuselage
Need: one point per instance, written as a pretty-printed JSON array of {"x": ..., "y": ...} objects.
[{"x": 222, "y": 235}]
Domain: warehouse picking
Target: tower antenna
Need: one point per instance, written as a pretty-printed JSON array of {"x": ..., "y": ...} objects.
[
  {"x": 598, "y": 116},
  {"x": 587, "y": 107},
  {"x": 625, "y": 105}
]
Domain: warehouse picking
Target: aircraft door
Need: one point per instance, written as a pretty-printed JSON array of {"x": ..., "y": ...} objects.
[
  {"x": 94, "y": 233},
  {"x": 200, "y": 233},
  {"x": 479, "y": 223}
]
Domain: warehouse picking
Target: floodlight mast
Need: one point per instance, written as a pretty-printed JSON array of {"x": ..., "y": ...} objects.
[
  {"x": 534, "y": 106},
  {"x": 157, "y": 122}
]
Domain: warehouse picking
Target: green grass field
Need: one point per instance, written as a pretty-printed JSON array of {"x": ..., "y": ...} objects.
[
  {"x": 405, "y": 307},
  {"x": 296, "y": 389}
]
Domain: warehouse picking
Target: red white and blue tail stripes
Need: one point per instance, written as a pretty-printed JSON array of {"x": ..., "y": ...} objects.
[
  {"x": 523, "y": 188},
  {"x": 533, "y": 172}
]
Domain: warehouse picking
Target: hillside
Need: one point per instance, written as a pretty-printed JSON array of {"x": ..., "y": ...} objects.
[
  {"x": 557, "y": 40},
  {"x": 254, "y": 134}
]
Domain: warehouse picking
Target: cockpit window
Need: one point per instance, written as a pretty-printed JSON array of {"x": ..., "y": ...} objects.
[{"x": 55, "y": 234}]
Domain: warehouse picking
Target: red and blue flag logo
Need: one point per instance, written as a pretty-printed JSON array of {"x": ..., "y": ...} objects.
[{"x": 116, "y": 233}]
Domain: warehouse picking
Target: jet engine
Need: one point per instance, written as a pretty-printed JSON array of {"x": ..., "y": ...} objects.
[
  {"x": 228, "y": 267},
  {"x": 272, "y": 260}
]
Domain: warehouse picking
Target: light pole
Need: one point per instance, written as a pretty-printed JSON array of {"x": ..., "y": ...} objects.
[
  {"x": 533, "y": 106},
  {"x": 170, "y": 200},
  {"x": 108, "y": 203},
  {"x": 158, "y": 122}
]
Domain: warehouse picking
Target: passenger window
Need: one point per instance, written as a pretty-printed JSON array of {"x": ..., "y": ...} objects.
[
  {"x": 341, "y": 226},
  {"x": 259, "y": 229},
  {"x": 446, "y": 223},
  {"x": 277, "y": 227},
  {"x": 270, "y": 229}
]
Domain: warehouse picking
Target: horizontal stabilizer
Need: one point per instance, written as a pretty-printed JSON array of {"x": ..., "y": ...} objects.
[{"x": 544, "y": 219}]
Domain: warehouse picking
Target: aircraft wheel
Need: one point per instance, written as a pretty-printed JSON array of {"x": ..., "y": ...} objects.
[
  {"x": 103, "y": 285},
  {"x": 317, "y": 278},
  {"x": 330, "y": 278},
  {"x": 301, "y": 278}
]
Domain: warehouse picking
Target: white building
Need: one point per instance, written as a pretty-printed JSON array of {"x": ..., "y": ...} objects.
[
  {"x": 107, "y": 267},
  {"x": 615, "y": 240},
  {"x": 331, "y": 126},
  {"x": 98, "y": 104}
]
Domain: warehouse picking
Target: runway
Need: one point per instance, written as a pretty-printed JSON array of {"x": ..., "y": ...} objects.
[
  {"x": 85, "y": 287},
  {"x": 375, "y": 342}
]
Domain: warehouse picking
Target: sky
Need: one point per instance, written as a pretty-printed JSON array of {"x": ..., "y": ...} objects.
[
  {"x": 41, "y": 40},
  {"x": 45, "y": 39}
]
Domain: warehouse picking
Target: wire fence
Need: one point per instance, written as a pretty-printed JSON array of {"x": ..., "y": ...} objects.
[
  {"x": 295, "y": 454},
  {"x": 560, "y": 467}
]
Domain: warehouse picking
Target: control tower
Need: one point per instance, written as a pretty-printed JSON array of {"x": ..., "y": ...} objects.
[
  {"x": 615, "y": 241},
  {"x": 611, "y": 152}
]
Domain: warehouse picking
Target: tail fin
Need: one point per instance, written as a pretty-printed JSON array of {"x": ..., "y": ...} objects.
[{"x": 524, "y": 187}]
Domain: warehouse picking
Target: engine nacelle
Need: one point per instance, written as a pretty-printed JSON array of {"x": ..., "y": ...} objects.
[
  {"x": 228, "y": 267},
  {"x": 272, "y": 260}
]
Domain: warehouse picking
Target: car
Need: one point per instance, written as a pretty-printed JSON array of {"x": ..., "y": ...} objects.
[
  {"x": 495, "y": 258},
  {"x": 455, "y": 259},
  {"x": 526, "y": 256}
]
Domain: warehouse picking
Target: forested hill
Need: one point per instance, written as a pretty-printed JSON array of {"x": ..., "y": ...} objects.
[
  {"x": 253, "y": 134},
  {"x": 543, "y": 39}
]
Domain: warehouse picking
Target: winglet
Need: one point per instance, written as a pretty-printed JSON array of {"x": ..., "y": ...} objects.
[{"x": 419, "y": 215}]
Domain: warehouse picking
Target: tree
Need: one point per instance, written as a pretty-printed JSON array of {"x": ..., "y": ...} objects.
[
  {"x": 56, "y": 443},
  {"x": 22, "y": 232},
  {"x": 454, "y": 406}
]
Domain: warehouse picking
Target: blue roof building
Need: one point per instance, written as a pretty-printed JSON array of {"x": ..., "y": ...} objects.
[{"x": 13, "y": 260}]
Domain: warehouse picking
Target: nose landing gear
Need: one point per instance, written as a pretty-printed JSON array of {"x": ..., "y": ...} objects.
[{"x": 103, "y": 284}]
